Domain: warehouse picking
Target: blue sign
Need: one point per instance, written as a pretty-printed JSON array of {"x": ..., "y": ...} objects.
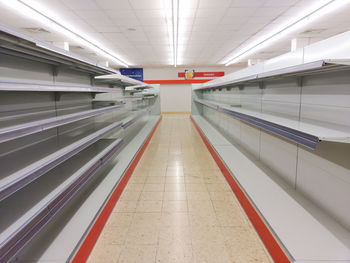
[{"x": 135, "y": 73}]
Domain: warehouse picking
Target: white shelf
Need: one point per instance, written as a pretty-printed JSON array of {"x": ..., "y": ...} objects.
[
  {"x": 60, "y": 246},
  {"x": 15, "y": 132},
  {"x": 24, "y": 228},
  {"x": 130, "y": 120},
  {"x": 297, "y": 70},
  {"x": 46, "y": 51},
  {"x": 286, "y": 212},
  {"x": 25, "y": 86},
  {"x": 26, "y": 175},
  {"x": 305, "y": 133},
  {"x": 119, "y": 79}
]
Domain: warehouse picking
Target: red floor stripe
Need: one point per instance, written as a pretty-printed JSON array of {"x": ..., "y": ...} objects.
[
  {"x": 266, "y": 236},
  {"x": 88, "y": 244}
]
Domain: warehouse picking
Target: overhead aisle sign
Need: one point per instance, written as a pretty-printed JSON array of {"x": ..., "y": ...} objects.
[{"x": 135, "y": 73}]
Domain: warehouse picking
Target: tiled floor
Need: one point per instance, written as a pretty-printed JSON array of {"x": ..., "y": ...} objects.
[{"x": 177, "y": 207}]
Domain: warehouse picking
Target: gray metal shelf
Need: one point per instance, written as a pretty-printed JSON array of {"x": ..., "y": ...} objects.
[
  {"x": 298, "y": 70},
  {"x": 39, "y": 87},
  {"x": 22, "y": 45},
  {"x": 304, "y": 133},
  {"x": 130, "y": 120},
  {"x": 20, "y": 233},
  {"x": 21, "y": 178},
  {"x": 304, "y": 229},
  {"x": 15, "y": 132}
]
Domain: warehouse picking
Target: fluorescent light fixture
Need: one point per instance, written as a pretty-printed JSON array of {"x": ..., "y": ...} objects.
[
  {"x": 176, "y": 27},
  {"x": 171, "y": 8},
  {"x": 309, "y": 15},
  {"x": 33, "y": 10}
]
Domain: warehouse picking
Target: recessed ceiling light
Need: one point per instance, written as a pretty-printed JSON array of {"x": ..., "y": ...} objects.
[
  {"x": 171, "y": 9},
  {"x": 45, "y": 16}
]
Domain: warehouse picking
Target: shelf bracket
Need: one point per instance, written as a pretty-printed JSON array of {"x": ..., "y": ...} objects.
[
  {"x": 300, "y": 81},
  {"x": 55, "y": 70},
  {"x": 57, "y": 96},
  {"x": 261, "y": 85}
]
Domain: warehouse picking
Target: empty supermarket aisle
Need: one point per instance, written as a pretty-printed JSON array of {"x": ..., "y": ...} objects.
[{"x": 177, "y": 207}]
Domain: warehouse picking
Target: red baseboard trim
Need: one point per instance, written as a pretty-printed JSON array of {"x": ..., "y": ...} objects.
[
  {"x": 176, "y": 81},
  {"x": 88, "y": 243},
  {"x": 263, "y": 231}
]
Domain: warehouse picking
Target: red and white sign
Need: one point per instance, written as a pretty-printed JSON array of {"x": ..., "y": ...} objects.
[{"x": 204, "y": 74}]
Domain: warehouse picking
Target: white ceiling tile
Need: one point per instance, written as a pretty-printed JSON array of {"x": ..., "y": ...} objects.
[
  {"x": 275, "y": 3},
  {"x": 80, "y": 4},
  {"x": 241, "y": 11},
  {"x": 207, "y": 21},
  {"x": 270, "y": 11},
  {"x": 187, "y": 13},
  {"x": 113, "y": 4},
  {"x": 248, "y": 3},
  {"x": 146, "y": 4},
  {"x": 208, "y": 30},
  {"x": 213, "y": 4},
  {"x": 211, "y": 12}
]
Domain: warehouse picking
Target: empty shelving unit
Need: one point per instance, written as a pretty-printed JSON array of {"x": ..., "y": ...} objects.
[
  {"x": 66, "y": 138},
  {"x": 282, "y": 129}
]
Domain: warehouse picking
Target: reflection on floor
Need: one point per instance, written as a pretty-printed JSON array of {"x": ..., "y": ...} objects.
[{"x": 177, "y": 207}]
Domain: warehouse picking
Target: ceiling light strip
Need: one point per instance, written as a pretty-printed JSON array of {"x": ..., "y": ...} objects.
[
  {"x": 251, "y": 49},
  {"x": 175, "y": 12},
  {"x": 78, "y": 36}
]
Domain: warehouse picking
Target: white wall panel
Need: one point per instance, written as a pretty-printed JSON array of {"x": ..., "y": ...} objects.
[
  {"x": 280, "y": 156},
  {"x": 325, "y": 182},
  {"x": 175, "y": 98},
  {"x": 250, "y": 139}
]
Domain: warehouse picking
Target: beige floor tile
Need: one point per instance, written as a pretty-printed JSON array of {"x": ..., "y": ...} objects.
[
  {"x": 155, "y": 180},
  {"x": 146, "y": 219},
  {"x": 174, "y": 179},
  {"x": 125, "y": 206},
  {"x": 174, "y": 234},
  {"x": 178, "y": 207},
  {"x": 152, "y": 196},
  {"x": 175, "y": 187},
  {"x": 130, "y": 195},
  {"x": 134, "y": 187},
  {"x": 138, "y": 254},
  {"x": 218, "y": 187},
  {"x": 174, "y": 253},
  {"x": 244, "y": 246},
  {"x": 137, "y": 179},
  {"x": 229, "y": 218},
  {"x": 113, "y": 235},
  {"x": 175, "y": 195},
  {"x": 174, "y": 206},
  {"x": 208, "y": 253},
  {"x": 198, "y": 187},
  {"x": 142, "y": 235},
  {"x": 200, "y": 196},
  {"x": 153, "y": 188},
  {"x": 175, "y": 218},
  {"x": 105, "y": 253},
  {"x": 222, "y": 196},
  {"x": 207, "y": 219},
  {"x": 149, "y": 206},
  {"x": 120, "y": 219}
]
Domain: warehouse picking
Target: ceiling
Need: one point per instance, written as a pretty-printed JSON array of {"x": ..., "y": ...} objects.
[{"x": 209, "y": 30}]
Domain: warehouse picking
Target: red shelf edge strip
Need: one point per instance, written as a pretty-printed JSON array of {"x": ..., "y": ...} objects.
[
  {"x": 89, "y": 242},
  {"x": 176, "y": 81},
  {"x": 263, "y": 231}
]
